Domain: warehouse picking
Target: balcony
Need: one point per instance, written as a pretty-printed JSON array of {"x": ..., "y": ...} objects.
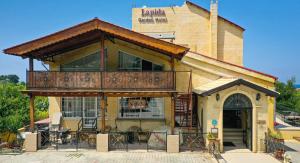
[{"x": 101, "y": 80}]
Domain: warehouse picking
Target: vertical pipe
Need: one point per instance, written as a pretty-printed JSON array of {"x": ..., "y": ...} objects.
[{"x": 31, "y": 112}]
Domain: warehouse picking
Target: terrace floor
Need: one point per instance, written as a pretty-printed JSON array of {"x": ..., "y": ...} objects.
[{"x": 44, "y": 156}]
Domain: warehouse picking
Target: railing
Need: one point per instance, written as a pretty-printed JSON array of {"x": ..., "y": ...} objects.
[
  {"x": 157, "y": 141},
  {"x": 192, "y": 141},
  {"x": 275, "y": 146},
  {"x": 118, "y": 141},
  {"x": 142, "y": 80}
]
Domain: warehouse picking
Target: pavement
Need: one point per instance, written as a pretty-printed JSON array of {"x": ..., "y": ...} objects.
[
  {"x": 246, "y": 156},
  {"x": 109, "y": 157},
  {"x": 293, "y": 150}
]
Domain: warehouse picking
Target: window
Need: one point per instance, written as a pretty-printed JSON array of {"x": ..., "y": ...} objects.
[
  {"x": 72, "y": 106},
  {"x": 145, "y": 107},
  {"x": 87, "y": 107},
  {"x": 87, "y": 63},
  {"x": 129, "y": 62}
]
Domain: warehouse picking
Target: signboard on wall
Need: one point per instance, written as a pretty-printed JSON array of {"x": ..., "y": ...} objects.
[
  {"x": 137, "y": 103},
  {"x": 152, "y": 16}
]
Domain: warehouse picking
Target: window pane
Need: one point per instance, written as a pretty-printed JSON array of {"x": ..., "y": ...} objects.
[
  {"x": 129, "y": 62},
  {"x": 75, "y": 106},
  {"x": 72, "y": 106},
  {"x": 88, "y": 63},
  {"x": 157, "y": 67}
]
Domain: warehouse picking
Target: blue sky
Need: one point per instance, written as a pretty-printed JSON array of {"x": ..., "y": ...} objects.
[{"x": 271, "y": 39}]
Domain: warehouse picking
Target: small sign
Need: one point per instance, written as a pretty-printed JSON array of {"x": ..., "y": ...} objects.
[
  {"x": 214, "y": 130},
  {"x": 261, "y": 122},
  {"x": 214, "y": 122}
]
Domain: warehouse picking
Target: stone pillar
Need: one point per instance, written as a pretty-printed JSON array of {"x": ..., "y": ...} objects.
[
  {"x": 102, "y": 142},
  {"x": 173, "y": 143},
  {"x": 220, "y": 129},
  {"x": 31, "y": 142},
  {"x": 254, "y": 128}
]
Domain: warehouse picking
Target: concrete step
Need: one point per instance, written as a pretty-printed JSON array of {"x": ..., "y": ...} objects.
[
  {"x": 233, "y": 133},
  {"x": 232, "y": 130}
]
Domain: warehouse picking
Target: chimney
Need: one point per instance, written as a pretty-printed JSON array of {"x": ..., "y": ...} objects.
[{"x": 214, "y": 29}]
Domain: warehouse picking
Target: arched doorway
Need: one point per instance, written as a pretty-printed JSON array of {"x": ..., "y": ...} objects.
[{"x": 237, "y": 121}]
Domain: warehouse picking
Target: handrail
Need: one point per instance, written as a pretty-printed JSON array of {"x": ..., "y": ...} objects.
[
  {"x": 95, "y": 124},
  {"x": 79, "y": 124}
]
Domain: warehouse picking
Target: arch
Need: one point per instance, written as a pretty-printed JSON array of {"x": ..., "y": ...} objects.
[{"x": 237, "y": 101}]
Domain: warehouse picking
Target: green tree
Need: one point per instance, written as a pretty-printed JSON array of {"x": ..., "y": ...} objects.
[
  {"x": 289, "y": 97},
  {"x": 14, "y": 106},
  {"x": 9, "y": 78}
]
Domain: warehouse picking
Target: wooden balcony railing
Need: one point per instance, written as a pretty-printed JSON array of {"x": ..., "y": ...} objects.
[{"x": 101, "y": 80}]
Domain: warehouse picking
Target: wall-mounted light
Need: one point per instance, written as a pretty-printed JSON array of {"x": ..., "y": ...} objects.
[
  {"x": 257, "y": 96},
  {"x": 217, "y": 96}
]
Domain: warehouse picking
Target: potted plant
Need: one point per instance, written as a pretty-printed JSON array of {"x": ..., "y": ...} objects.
[
  {"x": 279, "y": 148},
  {"x": 213, "y": 143}
]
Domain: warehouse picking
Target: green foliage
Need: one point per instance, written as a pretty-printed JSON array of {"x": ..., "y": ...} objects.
[
  {"x": 9, "y": 78},
  {"x": 289, "y": 98},
  {"x": 14, "y": 106}
]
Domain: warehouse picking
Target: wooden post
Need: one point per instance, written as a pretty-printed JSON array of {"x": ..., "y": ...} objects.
[
  {"x": 172, "y": 113},
  {"x": 31, "y": 112},
  {"x": 103, "y": 106},
  {"x": 30, "y": 64},
  {"x": 173, "y": 71}
]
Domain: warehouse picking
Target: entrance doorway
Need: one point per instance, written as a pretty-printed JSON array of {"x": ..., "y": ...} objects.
[{"x": 237, "y": 122}]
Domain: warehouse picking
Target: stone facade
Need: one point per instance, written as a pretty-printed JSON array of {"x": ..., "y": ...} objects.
[{"x": 202, "y": 31}]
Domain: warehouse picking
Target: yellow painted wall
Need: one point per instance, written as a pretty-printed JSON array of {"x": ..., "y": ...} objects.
[
  {"x": 288, "y": 133},
  {"x": 191, "y": 26}
]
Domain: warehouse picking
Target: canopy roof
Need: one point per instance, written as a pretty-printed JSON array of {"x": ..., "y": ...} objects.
[
  {"x": 224, "y": 83},
  {"x": 90, "y": 32}
]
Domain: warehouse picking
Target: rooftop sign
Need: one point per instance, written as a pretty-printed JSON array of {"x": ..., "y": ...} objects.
[{"x": 152, "y": 16}]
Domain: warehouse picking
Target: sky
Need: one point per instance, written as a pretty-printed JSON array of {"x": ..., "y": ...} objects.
[{"x": 271, "y": 39}]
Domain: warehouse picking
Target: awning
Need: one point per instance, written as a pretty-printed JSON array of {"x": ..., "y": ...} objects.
[{"x": 224, "y": 83}]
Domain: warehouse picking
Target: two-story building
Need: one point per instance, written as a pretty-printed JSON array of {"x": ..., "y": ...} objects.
[{"x": 180, "y": 68}]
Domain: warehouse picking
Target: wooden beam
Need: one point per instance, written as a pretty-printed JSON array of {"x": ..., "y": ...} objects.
[
  {"x": 31, "y": 112},
  {"x": 103, "y": 106}
]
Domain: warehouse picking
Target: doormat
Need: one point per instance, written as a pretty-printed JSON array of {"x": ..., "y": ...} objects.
[{"x": 228, "y": 144}]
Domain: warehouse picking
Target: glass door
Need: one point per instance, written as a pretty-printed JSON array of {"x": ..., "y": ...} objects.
[{"x": 89, "y": 111}]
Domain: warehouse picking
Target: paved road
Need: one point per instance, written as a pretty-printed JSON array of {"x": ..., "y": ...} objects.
[
  {"x": 110, "y": 157},
  {"x": 246, "y": 156}
]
